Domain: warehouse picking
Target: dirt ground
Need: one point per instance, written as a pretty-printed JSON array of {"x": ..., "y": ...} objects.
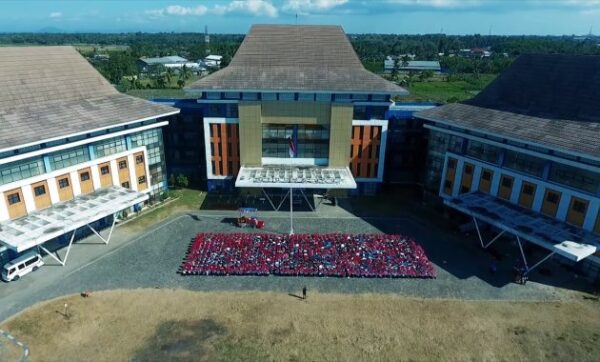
[{"x": 160, "y": 325}]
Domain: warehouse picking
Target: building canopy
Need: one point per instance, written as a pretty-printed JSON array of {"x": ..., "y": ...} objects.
[
  {"x": 296, "y": 177},
  {"x": 59, "y": 219}
]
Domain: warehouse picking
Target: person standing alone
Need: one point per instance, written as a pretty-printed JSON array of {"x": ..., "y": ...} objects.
[{"x": 304, "y": 292}]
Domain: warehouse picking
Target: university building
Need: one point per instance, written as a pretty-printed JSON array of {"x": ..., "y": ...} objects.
[
  {"x": 65, "y": 134},
  {"x": 299, "y": 88},
  {"x": 524, "y": 154}
]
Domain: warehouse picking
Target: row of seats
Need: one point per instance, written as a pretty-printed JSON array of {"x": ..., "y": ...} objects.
[{"x": 338, "y": 255}]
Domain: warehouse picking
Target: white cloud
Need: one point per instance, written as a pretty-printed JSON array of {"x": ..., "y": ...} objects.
[
  {"x": 181, "y": 10},
  {"x": 437, "y": 3},
  {"x": 252, "y": 7},
  {"x": 306, "y": 7},
  {"x": 55, "y": 14}
]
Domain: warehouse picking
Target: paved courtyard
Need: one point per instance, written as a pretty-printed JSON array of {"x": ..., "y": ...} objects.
[{"x": 151, "y": 258}]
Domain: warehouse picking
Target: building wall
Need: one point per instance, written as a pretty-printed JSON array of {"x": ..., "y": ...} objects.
[
  {"x": 250, "y": 133},
  {"x": 340, "y": 134},
  {"x": 224, "y": 148},
  {"x": 365, "y": 151},
  {"x": 65, "y": 172},
  {"x": 290, "y": 112}
]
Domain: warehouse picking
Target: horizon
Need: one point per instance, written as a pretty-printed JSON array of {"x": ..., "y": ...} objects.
[{"x": 401, "y": 17}]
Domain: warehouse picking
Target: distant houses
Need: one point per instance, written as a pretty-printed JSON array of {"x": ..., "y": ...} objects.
[
  {"x": 175, "y": 62},
  {"x": 147, "y": 65},
  {"x": 406, "y": 66},
  {"x": 213, "y": 61}
]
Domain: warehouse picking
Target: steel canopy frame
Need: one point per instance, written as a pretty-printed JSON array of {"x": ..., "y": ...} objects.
[
  {"x": 486, "y": 245},
  {"x": 96, "y": 232},
  {"x": 566, "y": 248}
]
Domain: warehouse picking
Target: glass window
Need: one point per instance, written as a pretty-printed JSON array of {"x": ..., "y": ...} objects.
[
  {"x": 84, "y": 176},
  {"x": 306, "y": 97},
  {"x": 251, "y": 96},
  {"x": 105, "y": 170},
  {"x": 232, "y": 95},
  {"x": 125, "y": 184},
  {"x": 16, "y": 171},
  {"x": 13, "y": 198},
  {"x": 286, "y": 96},
  {"x": 524, "y": 163},
  {"x": 574, "y": 177},
  {"x": 63, "y": 182},
  {"x": 142, "y": 180},
  {"x": 110, "y": 147},
  {"x": 39, "y": 190},
  {"x": 312, "y": 141},
  {"x": 483, "y": 151},
  {"x": 139, "y": 159},
  {"x": 323, "y": 97},
  {"x": 122, "y": 164},
  {"x": 213, "y": 95},
  {"x": 269, "y": 96},
  {"x": 70, "y": 157}
]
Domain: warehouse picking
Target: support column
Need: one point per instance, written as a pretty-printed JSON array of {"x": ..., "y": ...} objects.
[{"x": 291, "y": 211}]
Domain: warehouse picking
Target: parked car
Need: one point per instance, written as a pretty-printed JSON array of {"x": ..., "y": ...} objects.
[{"x": 23, "y": 265}]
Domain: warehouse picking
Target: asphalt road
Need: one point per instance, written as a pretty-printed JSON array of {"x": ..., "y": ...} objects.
[{"x": 151, "y": 260}]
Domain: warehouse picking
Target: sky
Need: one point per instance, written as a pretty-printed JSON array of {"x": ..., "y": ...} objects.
[{"x": 498, "y": 17}]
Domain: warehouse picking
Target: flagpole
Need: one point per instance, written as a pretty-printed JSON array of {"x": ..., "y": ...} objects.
[{"x": 291, "y": 211}]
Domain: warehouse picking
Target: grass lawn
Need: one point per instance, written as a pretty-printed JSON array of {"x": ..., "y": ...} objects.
[
  {"x": 157, "y": 93},
  {"x": 185, "y": 200},
  {"x": 158, "y": 325},
  {"x": 438, "y": 90}
]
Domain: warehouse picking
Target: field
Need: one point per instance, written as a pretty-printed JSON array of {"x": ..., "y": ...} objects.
[
  {"x": 454, "y": 90},
  {"x": 155, "y": 325}
]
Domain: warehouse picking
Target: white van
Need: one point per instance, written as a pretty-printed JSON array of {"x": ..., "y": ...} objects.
[{"x": 24, "y": 264}]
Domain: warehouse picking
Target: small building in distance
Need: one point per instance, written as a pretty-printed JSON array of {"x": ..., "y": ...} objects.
[
  {"x": 411, "y": 65},
  {"x": 212, "y": 61},
  {"x": 148, "y": 65}
]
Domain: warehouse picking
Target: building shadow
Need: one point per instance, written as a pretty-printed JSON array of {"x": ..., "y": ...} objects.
[{"x": 460, "y": 254}]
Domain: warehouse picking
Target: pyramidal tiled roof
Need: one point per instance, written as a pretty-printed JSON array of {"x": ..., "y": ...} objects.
[
  {"x": 49, "y": 92},
  {"x": 296, "y": 58},
  {"x": 551, "y": 100}
]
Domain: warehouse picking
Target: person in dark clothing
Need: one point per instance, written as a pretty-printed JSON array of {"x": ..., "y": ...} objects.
[{"x": 304, "y": 292}]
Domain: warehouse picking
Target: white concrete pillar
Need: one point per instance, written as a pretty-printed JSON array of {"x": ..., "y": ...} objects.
[
  {"x": 516, "y": 190},
  {"x": 3, "y": 208},
  {"x": 458, "y": 177},
  {"x": 53, "y": 190},
  {"x": 538, "y": 198},
  {"x": 476, "y": 178},
  {"x": 28, "y": 198},
  {"x": 563, "y": 206},
  {"x": 496, "y": 182},
  {"x": 75, "y": 186},
  {"x": 95, "y": 177},
  {"x": 592, "y": 214},
  {"x": 132, "y": 175},
  {"x": 114, "y": 172}
]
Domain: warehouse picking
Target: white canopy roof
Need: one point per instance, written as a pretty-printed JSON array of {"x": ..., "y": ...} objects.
[
  {"x": 297, "y": 177},
  {"x": 569, "y": 241},
  {"x": 574, "y": 251},
  {"x": 41, "y": 226}
]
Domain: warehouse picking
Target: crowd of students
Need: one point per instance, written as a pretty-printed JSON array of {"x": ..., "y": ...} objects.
[{"x": 338, "y": 255}]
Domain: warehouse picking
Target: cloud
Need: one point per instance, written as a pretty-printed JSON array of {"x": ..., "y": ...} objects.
[
  {"x": 251, "y": 7},
  {"x": 182, "y": 11},
  {"x": 438, "y": 3},
  {"x": 306, "y": 7},
  {"x": 55, "y": 14}
]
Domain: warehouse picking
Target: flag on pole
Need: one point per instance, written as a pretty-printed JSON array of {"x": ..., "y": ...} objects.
[{"x": 293, "y": 143}]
